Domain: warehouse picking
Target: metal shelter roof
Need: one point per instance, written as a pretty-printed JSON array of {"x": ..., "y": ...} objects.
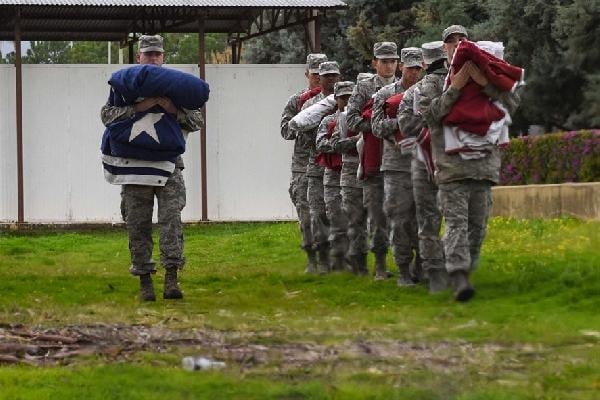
[{"x": 115, "y": 19}]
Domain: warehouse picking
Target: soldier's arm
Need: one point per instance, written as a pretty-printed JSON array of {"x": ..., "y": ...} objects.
[
  {"x": 190, "y": 120},
  {"x": 289, "y": 111},
  {"x": 510, "y": 100},
  {"x": 435, "y": 105},
  {"x": 382, "y": 126},
  {"x": 110, "y": 114},
  {"x": 339, "y": 138},
  {"x": 355, "y": 105},
  {"x": 325, "y": 142},
  {"x": 409, "y": 122}
]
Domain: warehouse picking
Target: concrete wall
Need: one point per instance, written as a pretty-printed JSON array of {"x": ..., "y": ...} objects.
[
  {"x": 581, "y": 200},
  {"x": 248, "y": 162}
]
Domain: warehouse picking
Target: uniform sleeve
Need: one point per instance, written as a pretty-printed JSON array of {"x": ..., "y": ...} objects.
[
  {"x": 324, "y": 142},
  {"x": 355, "y": 105},
  {"x": 510, "y": 100},
  {"x": 409, "y": 121},
  {"x": 190, "y": 120},
  {"x": 289, "y": 111},
  {"x": 382, "y": 126},
  {"x": 435, "y": 106},
  {"x": 339, "y": 138}
]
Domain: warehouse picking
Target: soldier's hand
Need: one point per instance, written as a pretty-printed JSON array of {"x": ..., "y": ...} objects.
[
  {"x": 145, "y": 104},
  {"x": 460, "y": 78},
  {"x": 167, "y": 105},
  {"x": 476, "y": 74}
]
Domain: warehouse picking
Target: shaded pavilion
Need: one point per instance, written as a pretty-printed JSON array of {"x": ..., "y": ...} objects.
[{"x": 125, "y": 20}]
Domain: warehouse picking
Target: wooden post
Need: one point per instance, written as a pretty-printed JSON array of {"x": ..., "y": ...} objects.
[
  {"x": 19, "y": 118},
  {"x": 202, "y": 72}
]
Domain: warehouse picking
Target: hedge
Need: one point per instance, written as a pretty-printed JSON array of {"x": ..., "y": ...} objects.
[{"x": 552, "y": 158}]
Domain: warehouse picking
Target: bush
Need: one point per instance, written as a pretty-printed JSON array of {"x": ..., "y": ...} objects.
[{"x": 552, "y": 158}]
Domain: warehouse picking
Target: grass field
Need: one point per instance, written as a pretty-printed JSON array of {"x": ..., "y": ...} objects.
[{"x": 531, "y": 332}]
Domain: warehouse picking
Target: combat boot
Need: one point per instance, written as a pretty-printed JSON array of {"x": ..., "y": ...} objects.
[
  {"x": 311, "y": 265},
  {"x": 417, "y": 273},
  {"x": 323, "y": 260},
  {"x": 404, "y": 278},
  {"x": 438, "y": 280},
  {"x": 339, "y": 263},
  {"x": 359, "y": 264},
  {"x": 146, "y": 288},
  {"x": 381, "y": 272},
  {"x": 172, "y": 290},
  {"x": 463, "y": 291}
]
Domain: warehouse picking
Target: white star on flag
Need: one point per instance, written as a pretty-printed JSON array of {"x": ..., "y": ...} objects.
[{"x": 146, "y": 124}]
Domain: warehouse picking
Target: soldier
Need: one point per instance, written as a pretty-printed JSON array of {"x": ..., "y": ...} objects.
[
  {"x": 398, "y": 203},
  {"x": 425, "y": 190},
  {"x": 329, "y": 74},
  {"x": 299, "y": 183},
  {"x": 344, "y": 141},
  {"x": 385, "y": 62},
  {"x": 464, "y": 184},
  {"x": 137, "y": 201},
  {"x": 332, "y": 160}
]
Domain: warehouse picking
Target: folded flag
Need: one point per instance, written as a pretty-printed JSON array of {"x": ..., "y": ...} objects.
[
  {"x": 391, "y": 111},
  {"x": 330, "y": 160}
]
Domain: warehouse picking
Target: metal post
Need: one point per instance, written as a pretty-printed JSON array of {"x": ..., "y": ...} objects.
[
  {"x": 19, "y": 118},
  {"x": 131, "y": 60},
  {"x": 317, "y": 33},
  {"x": 202, "y": 72}
]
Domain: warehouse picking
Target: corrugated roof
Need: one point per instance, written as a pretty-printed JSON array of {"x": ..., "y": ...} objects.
[{"x": 179, "y": 3}]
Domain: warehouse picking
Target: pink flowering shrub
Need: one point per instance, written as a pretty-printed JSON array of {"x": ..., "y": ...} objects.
[{"x": 552, "y": 158}]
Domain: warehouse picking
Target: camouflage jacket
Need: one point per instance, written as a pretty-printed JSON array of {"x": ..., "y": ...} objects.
[
  {"x": 435, "y": 103},
  {"x": 340, "y": 141},
  {"x": 363, "y": 91},
  {"x": 311, "y": 167},
  {"x": 189, "y": 120},
  {"x": 325, "y": 145},
  {"x": 384, "y": 128},
  {"x": 301, "y": 142}
]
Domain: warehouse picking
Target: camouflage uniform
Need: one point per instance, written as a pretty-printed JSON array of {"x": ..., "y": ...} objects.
[
  {"x": 137, "y": 203},
  {"x": 298, "y": 188},
  {"x": 338, "y": 223},
  {"x": 464, "y": 185},
  {"x": 425, "y": 190},
  {"x": 399, "y": 204},
  {"x": 373, "y": 192},
  {"x": 352, "y": 194}
]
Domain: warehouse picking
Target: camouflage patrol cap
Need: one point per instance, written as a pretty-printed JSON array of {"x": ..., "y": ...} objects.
[
  {"x": 364, "y": 76},
  {"x": 342, "y": 88},
  {"x": 454, "y": 29},
  {"x": 383, "y": 50},
  {"x": 433, "y": 51},
  {"x": 151, "y": 43},
  {"x": 313, "y": 60},
  {"x": 329, "y": 67},
  {"x": 411, "y": 57}
]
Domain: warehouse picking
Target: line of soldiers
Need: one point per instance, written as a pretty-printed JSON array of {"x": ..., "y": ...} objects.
[{"x": 358, "y": 178}]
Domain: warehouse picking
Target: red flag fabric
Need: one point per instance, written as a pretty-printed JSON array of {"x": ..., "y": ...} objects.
[
  {"x": 309, "y": 94},
  {"x": 391, "y": 111},
  {"x": 330, "y": 160},
  {"x": 474, "y": 111}
]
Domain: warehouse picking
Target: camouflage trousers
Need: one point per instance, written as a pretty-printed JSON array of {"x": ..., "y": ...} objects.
[
  {"x": 429, "y": 218},
  {"x": 354, "y": 209},
  {"x": 373, "y": 193},
  {"x": 399, "y": 207},
  {"x": 137, "y": 204},
  {"x": 338, "y": 223},
  {"x": 465, "y": 207},
  {"x": 319, "y": 225},
  {"x": 299, "y": 194}
]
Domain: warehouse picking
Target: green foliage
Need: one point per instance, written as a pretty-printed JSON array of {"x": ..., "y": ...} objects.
[{"x": 552, "y": 158}]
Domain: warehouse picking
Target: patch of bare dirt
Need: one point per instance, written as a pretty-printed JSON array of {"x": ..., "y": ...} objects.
[{"x": 49, "y": 346}]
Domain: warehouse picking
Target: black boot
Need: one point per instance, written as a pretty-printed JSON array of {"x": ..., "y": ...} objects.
[
  {"x": 323, "y": 260},
  {"x": 381, "y": 272},
  {"x": 404, "y": 279},
  {"x": 359, "y": 264},
  {"x": 311, "y": 265},
  {"x": 463, "y": 291},
  {"x": 172, "y": 290},
  {"x": 417, "y": 273},
  {"x": 147, "y": 288},
  {"x": 438, "y": 280},
  {"x": 339, "y": 263}
]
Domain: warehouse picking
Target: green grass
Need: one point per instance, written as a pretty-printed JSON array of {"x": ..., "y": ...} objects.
[{"x": 538, "y": 284}]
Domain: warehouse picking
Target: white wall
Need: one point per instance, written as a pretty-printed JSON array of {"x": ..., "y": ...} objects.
[{"x": 247, "y": 161}]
